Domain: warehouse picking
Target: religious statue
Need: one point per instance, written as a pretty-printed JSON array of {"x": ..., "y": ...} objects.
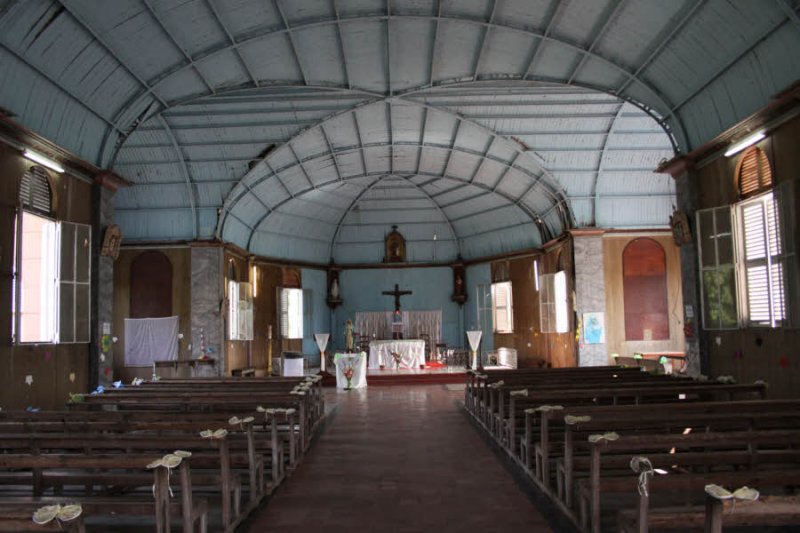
[
  {"x": 395, "y": 247},
  {"x": 348, "y": 336},
  {"x": 459, "y": 286}
]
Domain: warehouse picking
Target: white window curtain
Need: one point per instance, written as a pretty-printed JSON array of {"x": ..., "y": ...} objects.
[{"x": 378, "y": 324}]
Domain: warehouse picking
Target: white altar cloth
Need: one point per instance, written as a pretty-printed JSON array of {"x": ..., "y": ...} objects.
[
  {"x": 359, "y": 362},
  {"x": 412, "y": 353}
]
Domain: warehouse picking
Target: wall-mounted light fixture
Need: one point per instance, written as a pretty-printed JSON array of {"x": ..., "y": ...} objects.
[
  {"x": 42, "y": 160},
  {"x": 744, "y": 143}
]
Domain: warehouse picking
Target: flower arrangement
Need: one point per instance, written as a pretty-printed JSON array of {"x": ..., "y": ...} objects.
[
  {"x": 348, "y": 373},
  {"x": 397, "y": 359}
]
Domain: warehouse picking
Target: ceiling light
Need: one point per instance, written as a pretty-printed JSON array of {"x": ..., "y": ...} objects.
[
  {"x": 42, "y": 160},
  {"x": 744, "y": 143}
]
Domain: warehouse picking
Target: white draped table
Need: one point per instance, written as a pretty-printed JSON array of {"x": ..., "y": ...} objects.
[
  {"x": 359, "y": 363},
  {"x": 412, "y": 353}
]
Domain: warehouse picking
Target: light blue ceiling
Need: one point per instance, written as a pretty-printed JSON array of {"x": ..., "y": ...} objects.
[{"x": 304, "y": 129}]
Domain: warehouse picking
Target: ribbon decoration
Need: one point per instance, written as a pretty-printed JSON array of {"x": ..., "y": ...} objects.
[
  {"x": 62, "y": 513},
  {"x": 549, "y": 408},
  {"x": 235, "y": 420},
  {"x": 497, "y": 384},
  {"x": 643, "y": 467},
  {"x": 169, "y": 461},
  {"x": 599, "y": 437},
  {"x": 521, "y": 392},
  {"x": 742, "y": 493},
  {"x": 209, "y": 434},
  {"x": 575, "y": 419}
]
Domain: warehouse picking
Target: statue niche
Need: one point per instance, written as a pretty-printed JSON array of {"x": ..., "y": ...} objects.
[{"x": 395, "y": 247}]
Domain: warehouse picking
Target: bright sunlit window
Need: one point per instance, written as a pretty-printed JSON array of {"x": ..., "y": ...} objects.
[
  {"x": 291, "y": 313},
  {"x": 37, "y": 275},
  {"x": 553, "y": 303},
  {"x": 502, "y": 307}
]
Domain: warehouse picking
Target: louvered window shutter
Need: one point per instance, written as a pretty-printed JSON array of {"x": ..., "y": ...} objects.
[
  {"x": 764, "y": 261},
  {"x": 754, "y": 172},
  {"x": 283, "y": 311},
  {"x": 308, "y": 313},
  {"x": 34, "y": 190}
]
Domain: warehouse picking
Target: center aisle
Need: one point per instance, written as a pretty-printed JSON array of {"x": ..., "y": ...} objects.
[{"x": 399, "y": 459}]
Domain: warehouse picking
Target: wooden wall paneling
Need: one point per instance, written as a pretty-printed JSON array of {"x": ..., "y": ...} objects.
[
  {"x": 535, "y": 348},
  {"x": 644, "y": 289},
  {"x": 47, "y": 364},
  {"x": 265, "y": 315},
  {"x": 236, "y": 352},
  {"x": 613, "y": 247},
  {"x": 754, "y": 353},
  {"x": 180, "y": 258},
  {"x": 151, "y": 279}
]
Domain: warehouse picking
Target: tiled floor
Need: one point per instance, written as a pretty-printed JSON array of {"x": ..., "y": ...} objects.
[{"x": 400, "y": 459}]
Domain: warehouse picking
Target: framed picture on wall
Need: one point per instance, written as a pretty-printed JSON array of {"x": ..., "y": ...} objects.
[{"x": 594, "y": 328}]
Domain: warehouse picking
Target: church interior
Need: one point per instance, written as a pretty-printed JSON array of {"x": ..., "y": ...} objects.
[{"x": 511, "y": 265}]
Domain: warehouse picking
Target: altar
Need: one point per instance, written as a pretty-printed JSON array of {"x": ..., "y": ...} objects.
[
  {"x": 355, "y": 361},
  {"x": 412, "y": 353}
]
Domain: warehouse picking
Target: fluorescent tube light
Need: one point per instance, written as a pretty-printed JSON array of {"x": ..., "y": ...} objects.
[
  {"x": 42, "y": 160},
  {"x": 744, "y": 143}
]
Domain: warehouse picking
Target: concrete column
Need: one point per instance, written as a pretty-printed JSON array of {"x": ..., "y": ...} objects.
[
  {"x": 590, "y": 290},
  {"x": 208, "y": 319},
  {"x": 687, "y": 191},
  {"x": 101, "y": 354}
]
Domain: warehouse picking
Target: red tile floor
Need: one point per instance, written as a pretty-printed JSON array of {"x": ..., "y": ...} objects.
[{"x": 399, "y": 459}]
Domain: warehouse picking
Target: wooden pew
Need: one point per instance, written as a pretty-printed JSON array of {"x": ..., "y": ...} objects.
[
  {"x": 210, "y": 455},
  {"x": 755, "y": 444},
  {"x": 615, "y": 417},
  {"x": 646, "y": 422},
  {"x": 685, "y": 392},
  {"x": 477, "y": 381},
  {"x": 208, "y": 402},
  {"x": 264, "y": 442},
  {"x": 157, "y": 505},
  {"x": 499, "y": 392}
]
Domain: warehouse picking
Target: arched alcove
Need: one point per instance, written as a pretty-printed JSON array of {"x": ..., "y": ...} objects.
[
  {"x": 644, "y": 279},
  {"x": 151, "y": 286}
]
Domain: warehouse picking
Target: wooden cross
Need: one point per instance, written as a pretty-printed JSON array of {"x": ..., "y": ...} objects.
[{"x": 397, "y": 293}]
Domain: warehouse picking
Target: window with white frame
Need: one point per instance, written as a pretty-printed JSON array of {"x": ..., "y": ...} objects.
[
  {"x": 763, "y": 263},
  {"x": 553, "y": 305},
  {"x": 291, "y": 313},
  {"x": 747, "y": 262},
  {"x": 240, "y": 311},
  {"x": 717, "y": 268},
  {"x": 52, "y": 268},
  {"x": 502, "y": 307}
]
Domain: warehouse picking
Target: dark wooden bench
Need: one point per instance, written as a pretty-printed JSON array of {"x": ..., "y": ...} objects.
[
  {"x": 157, "y": 504},
  {"x": 705, "y": 449}
]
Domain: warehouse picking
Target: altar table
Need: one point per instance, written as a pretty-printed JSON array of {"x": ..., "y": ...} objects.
[
  {"x": 412, "y": 353},
  {"x": 359, "y": 363}
]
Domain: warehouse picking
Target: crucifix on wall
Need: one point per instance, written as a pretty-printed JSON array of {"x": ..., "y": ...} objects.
[{"x": 397, "y": 293}]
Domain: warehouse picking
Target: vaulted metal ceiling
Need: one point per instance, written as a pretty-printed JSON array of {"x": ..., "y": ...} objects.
[{"x": 304, "y": 129}]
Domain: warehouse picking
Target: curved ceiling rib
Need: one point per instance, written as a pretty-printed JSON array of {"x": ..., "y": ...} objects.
[
  {"x": 661, "y": 103},
  {"x": 358, "y": 197},
  {"x": 494, "y": 189},
  {"x": 595, "y": 183},
  {"x": 186, "y": 173},
  {"x": 549, "y": 185}
]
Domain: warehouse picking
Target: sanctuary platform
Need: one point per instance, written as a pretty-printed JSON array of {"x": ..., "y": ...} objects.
[{"x": 404, "y": 376}]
